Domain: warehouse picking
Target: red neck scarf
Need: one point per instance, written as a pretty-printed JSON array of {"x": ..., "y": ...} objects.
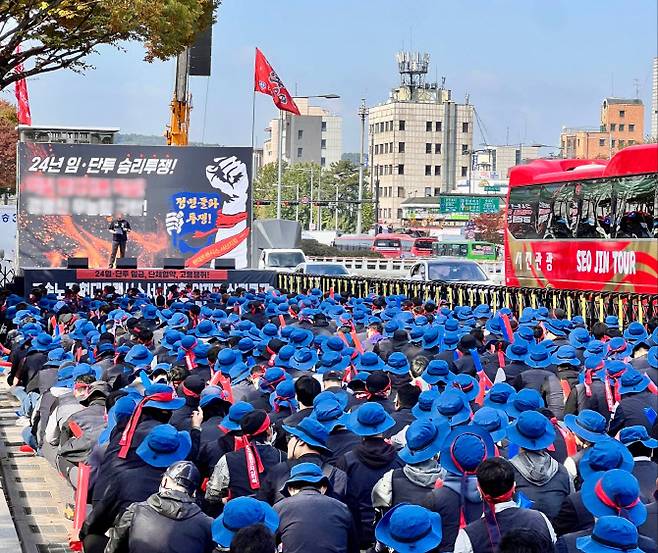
[
  {"x": 127, "y": 437},
  {"x": 254, "y": 464},
  {"x": 490, "y": 515}
]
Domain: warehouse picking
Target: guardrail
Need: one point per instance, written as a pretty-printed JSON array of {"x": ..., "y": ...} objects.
[
  {"x": 591, "y": 305},
  {"x": 387, "y": 265}
]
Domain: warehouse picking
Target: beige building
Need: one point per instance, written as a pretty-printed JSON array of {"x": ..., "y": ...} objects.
[
  {"x": 420, "y": 140},
  {"x": 622, "y": 124},
  {"x": 316, "y": 135}
]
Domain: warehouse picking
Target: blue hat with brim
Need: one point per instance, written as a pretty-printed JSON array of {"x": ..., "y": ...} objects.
[
  {"x": 432, "y": 337},
  {"x": 465, "y": 448},
  {"x": 397, "y": 364},
  {"x": 604, "y": 456},
  {"x": 410, "y": 529},
  {"x": 518, "y": 351},
  {"x": 138, "y": 356},
  {"x": 205, "y": 329},
  {"x": 453, "y": 407},
  {"x": 539, "y": 357},
  {"x": 468, "y": 385},
  {"x": 239, "y": 372},
  {"x": 633, "y": 381},
  {"x": 425, "y": 406},
  {"x": 370, "y": 419},
  {"x": 231, "y": 421},
  {"x": 306, "y": 473},
  {"x": 164, "y": 445},
  {"x": 494, "y": 421},
  {"x": 652, "y": 357},
  {"x": 618, "y": 487},
  {"x": 332, "y": 361},
  {"x": 588, "y": 425},
  {"x": 611, "y": 534},
  {"x": 369, "y": 362},
  {"x": 304, "y": 359},
  {"x": 637, "y": 434},
  {"x": 636, "y": 334},
  {"x": 555, "y": 326},
  {"x": 329, "y": 412},
  {"x": 595, "y": 348},
  {"x": 311, "y": 432},
  {"x": 43, "y": 342},
  {"x": 579, "y": 338},
  {"x": 240, "y": 513},
  {"x": 178, "y": 321},
  {"x": 334, "y": 343},
  {"x": 619, "y": 348},
  {"x": 58, "y": 356},
  {"x": 531, "y": 431},
  {"x": 524, "y": 400},
  {"x": 565, "y": 355},
  {"x": 424, "y": 439},
  {"x": 169, "y": 405},
  {"x": 499, "y": 395},
  {"x": 212, "y": 394},
  {"x": 437, "y": 371}
]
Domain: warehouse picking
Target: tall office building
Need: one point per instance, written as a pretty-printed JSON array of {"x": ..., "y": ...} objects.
[
  {"x": 316, "y": 135},
  {"x": 654, "y": 101},
  {"x": 420, "y": 139}
]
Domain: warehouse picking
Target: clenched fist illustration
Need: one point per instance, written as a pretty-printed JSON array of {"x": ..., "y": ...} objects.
[{"x": 174, "y": 222}]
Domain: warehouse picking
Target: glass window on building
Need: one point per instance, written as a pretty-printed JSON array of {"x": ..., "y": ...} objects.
[
  {"x": 300, "y": 135},
  {"x": 401, "y": 169},
  {"x": 300, "y": 152},
  {"x": 437, "y": 170},
  {"x": 428, "y": 192},
  {"x": 437, "y": 148},
  {"x": 612, "y": 142},
  {"x": 399, "y": 213},
  {"x": 401, "y": 146},
  {"x": 464, "y": 149},
  {"x": 428, "y": 170},
  {"x": 402, "y": 124},
  {"x": 465, "y": 126},
  {"x": 323, "y": 143},
  {"x": 323, "y": 161},
  {"x": 438, "y": 126},
  {"x": 428, "y": 126},
  {"x": 324, "y": 126},
  {"x": 622, "y": 113},
  {"x": 464, "y": 171},
  {"x": 613, "y": 126},
  {"x": 400, "y": 191},
  {"x": 631, "y": 127},
  {"x": 621, "y": 127},
  {"x": 601, "y": 141},
  {"x": 437, "y": 191},
  {"x": 428, "y": 148}
]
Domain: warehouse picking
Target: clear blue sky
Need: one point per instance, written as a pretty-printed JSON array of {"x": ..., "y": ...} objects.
[{"x": 530, "y": 65}]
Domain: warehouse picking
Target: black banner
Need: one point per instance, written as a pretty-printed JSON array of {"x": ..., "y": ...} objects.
[
  {"x": 147, "y": 280},
  {"x": 190, "y": 202}
]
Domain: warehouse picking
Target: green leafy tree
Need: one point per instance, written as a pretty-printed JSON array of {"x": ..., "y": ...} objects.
[
  {"x": 56, "y": 34},
  {"x": 8, "y": 139}
]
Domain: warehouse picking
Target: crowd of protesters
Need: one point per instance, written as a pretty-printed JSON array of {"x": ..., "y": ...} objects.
[{"x": 263, "y": 421}]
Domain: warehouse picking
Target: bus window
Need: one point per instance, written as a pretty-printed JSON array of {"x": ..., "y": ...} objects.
[
  {"x": 463, "y": 250},
  {"x": 636, "y": 206},
  {"x": 595, "y": 201},
  {"x": 387, "y": 244},
  {"x": 563, "y": 217},
  {"x": 522, "y": 211}
]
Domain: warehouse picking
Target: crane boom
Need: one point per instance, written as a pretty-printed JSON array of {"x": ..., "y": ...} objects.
[{"x": 177, "y": 132}]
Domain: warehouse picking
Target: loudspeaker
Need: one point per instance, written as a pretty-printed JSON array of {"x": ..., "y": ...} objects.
[
  {"x": 77, "y": 263},
  {"x": 173, "y": 263},
  {"x": 225, "y": 263},
  {"x": 127, "y": 263}
]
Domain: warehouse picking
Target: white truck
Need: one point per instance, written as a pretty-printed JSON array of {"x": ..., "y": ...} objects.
[{"x": 280, "y": 259}]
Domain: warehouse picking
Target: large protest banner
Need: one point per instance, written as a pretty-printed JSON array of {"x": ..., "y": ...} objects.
[{"x": 190, "y": 202}]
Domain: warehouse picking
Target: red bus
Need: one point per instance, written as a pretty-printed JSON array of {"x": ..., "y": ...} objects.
[
  {"x": 400, "y": 246},
  {"x": 585, "y": 224}
]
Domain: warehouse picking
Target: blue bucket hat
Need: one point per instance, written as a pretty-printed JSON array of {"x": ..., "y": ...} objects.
[
  {"x": 437, "y": 371},
  {"x": 579, "y": 338},
  {"x": 611, "y": 534},
  {"x": 565, "y": 355},
  {"x": 212, "y": 394},
  {"x": 332, "y": 361},
  {"x": 614, "y": 493},
  {"x": 304, "y": 359},
  {"x": 170, "y": 339},
  {"x": 58, "y": 356},
  {"x": 453, "y": 407},
  {"x": 329, "y": 412},
  {"x": 482, "y": 311},
  {"x": 595, "y": 348},
  {"x": 524, "y": 400},
  {"x": 334, "y": 343},
  {"x": 398, "y": 364},
  {"x": 531, "y": 431},
  {"x": 494, "y": 421},
  {"x": 588, "y": 425},
  {"x": 611, "y": 320},
  {"x": 499, "y": 395},
  {"x": 425, "y": 406},
  {"x": 284, "y": 356},
  {"x": 138, "y": 355},
  {"x": 465, "y": 448},
  {"x": 301, "y": 338},
  {"x": 231, "y": 421},
  {"x": 284, "y": 396},
  {"x": 431, "y": 337},
  {"x": 652, "y": 357},
  {"x": 65, "y": 376},
  {"x": 633, "y": 381},
  {"x": 369, "y": 362},
  {"x": 239, "y": 372},
  {"x": 369, "y": 419},
  {"x": 619, "y": 348},
  {"x": 636, "y": 334},
  {"x": 450, "y": 341},
  {"x": 525, "y": 333},
  {"x": 637, "y": 433},
  {"x": 306, "y": 473},
  {"x": 43, "y": 342},
  {"x": 604, "y": 456},
  {"x": 240, "y": 513},
  {"x": 518, "y": 351},
  {"x": 164, "y": 445},
  {"x": 268, "y": 382},
  {"x": 149, "y": 312},
  {"x": 424, "y": 439},
  {"x": 205, "y": 329},
  {"x": 409, "y": 529},
  {"x": 467, "y": 384},
  {"x": 538, "y": 357},
  {"x": 83, "y": 369},
  {"x": 178, "y": 320},
  {"x": 227, "y": 359},
  {"x": 311, "y": 432}
]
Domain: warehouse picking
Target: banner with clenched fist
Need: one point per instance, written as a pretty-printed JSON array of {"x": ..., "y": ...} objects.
[{"x": 191, "y": 202}]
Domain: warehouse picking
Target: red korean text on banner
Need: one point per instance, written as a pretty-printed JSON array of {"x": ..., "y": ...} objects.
[
  {"x": 24, "y": 115},
  {"x": 266, "y": 81}
]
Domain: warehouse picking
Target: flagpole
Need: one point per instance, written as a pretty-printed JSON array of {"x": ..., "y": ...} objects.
[
  {"x": 280, "y": 167},
  {"x": 253, "y": 173}
]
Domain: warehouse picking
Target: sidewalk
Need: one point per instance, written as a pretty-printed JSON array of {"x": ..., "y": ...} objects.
[{"x": 34, "y": 491}]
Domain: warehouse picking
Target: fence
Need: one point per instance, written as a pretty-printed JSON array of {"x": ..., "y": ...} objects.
[
  {"x": 592, "y": 306},
  {"x": 6, "y": 273}
]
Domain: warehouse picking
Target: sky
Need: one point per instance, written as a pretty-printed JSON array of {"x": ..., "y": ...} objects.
[{"x": 529, "y": 66}]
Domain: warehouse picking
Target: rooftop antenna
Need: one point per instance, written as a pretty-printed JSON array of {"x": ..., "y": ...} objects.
[
  {"x": 413, "y": 67},
  {"x": 467, "y": 98},
  {"x": 636, "y": 84},
  {"x": 507, "y": 137}
]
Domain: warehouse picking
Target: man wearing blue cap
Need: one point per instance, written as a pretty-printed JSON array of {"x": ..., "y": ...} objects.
[
  {"x": 642, "y": 448},
  {"x": 300, "y": 529},
  {"x": 409, "y": 529},
  {"x": 638, "y": 394}
]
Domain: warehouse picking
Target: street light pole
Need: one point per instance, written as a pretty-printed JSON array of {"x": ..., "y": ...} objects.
[
  {"x": 280, "y": 167},
  {"x": 359, "y": 214},
  {"x": 310, "y": 205}
]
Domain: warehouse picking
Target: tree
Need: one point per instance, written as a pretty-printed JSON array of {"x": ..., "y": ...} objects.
[
  {"x": 341, "y": 178},
  {"x": 8, "y": 139},
  {"x": 56, "y": 34},
  {"x": 489, "y": 227}
]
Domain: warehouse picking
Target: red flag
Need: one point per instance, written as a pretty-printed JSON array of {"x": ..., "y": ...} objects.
[
  {"x": 24, "y": 115},
  {"x": 266, "y": 81}
]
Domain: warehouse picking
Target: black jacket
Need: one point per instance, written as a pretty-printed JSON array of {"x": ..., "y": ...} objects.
[
  {"x": 630, "y": 411},
  {"x": 167, "y": 522},
  {"x": 310, "y": 521},
  {"x": 573, "y": 516}
]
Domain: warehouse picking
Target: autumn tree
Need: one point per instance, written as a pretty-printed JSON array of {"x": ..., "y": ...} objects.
[
  {"x": 489, "y": 227},
  {"x": 8, "y": 139},
  {"x": 56, "y": 34}
]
